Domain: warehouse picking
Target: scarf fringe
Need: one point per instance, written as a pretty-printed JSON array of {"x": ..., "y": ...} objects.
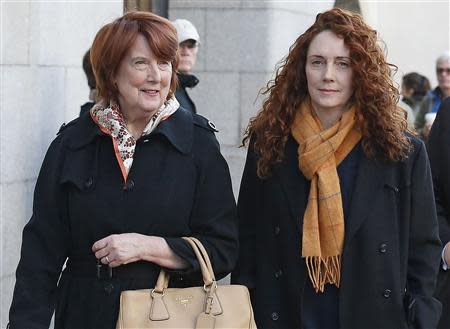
[{"x": 324, "y": 271}]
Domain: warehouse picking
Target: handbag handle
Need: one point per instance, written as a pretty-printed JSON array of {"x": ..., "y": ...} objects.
[
  {"x": 203, "y": 260},
  {"x": 204, "y": 254},
  {"x": 158, "y": 309}
]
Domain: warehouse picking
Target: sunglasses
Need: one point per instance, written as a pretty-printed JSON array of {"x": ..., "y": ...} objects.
[
  {"x": 189, "y": 44},
  {"x": 441, "y": 70}
]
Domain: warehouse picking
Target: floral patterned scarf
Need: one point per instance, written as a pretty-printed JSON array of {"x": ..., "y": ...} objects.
[{"x": 110, "y": 120}]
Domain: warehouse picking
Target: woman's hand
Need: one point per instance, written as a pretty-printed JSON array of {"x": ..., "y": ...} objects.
[
  {"x": 119, "y": 249},
  {"x": 447, "y": 253}
]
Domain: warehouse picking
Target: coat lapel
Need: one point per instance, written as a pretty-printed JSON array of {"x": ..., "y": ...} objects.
[
  {"x": 369, "y": 184},
  {"x": 294, "y": 184}
]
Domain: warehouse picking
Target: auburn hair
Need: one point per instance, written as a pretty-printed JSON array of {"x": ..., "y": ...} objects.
[
  {"x": 375, "y": 96},
  {"x": 113, "y": 40}
]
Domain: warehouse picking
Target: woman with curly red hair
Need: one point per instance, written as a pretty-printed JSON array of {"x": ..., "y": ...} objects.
[{"x": 337, "y": 221}]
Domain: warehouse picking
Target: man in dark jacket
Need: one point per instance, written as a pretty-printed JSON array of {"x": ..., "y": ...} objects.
[
  {"x": 189, "y": 39},
  {"x": 439, "y": 152}
]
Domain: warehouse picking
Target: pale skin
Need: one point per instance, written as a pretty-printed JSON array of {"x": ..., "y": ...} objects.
[
  {"x": 132, "y": 247},
  {"x": 143, "y": 82},
  {"x": 447, "y": 253},
  {"x": 188, "y": 56},
  {"x": 329, "y": 76}
]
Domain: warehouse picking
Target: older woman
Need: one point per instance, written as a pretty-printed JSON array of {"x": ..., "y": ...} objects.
[
  {"x": 337, "y": 220},
  {"x": 120, "y": 185}
]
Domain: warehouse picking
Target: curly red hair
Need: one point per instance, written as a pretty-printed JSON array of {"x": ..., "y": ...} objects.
[{"x": 375, "y": 96}]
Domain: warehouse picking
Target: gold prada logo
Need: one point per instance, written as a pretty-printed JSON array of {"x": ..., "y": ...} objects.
[{"x": 184, "y": 300}]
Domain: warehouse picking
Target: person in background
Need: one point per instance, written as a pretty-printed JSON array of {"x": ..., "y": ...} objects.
[
  {"x": 408, "y": 113},
  {"x": 439, "y": 153},
  {"x": 432, "y": 101},
  {"x": 414, "y": 88},
  {"x": 337, "y": 221},
  {"x": 119, "y": 188},
  {"x": 87, "y": 68},
  {"x": 189, "y": 40}
]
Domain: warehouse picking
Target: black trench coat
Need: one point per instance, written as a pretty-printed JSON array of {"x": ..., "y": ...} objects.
[
  {"x": 179, "y": 185},
  {"x": 391, "y": 248},
  {"x": 439, "y": 152}
]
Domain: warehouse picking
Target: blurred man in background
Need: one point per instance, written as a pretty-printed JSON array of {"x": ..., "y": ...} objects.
[
  {"x": 189, "y": 40},
  {"x": 431, "y": 103}
]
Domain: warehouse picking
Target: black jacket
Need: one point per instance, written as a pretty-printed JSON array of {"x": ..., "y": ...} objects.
[
  {"x": 86, "y": 107},
  {"x": 186, "y": 81},
  {"x": 391, "y": 249},
  {"x": 179, "y": 185},
  {"x": 439, "y": 152}
]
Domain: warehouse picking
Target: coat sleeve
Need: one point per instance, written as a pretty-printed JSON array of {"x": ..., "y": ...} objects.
[
  {"x": 213, "y": 219},
  {"x": 424, "y": 247},
  {"x": 43, "y": 252},
  {"x": 249, "y": 206},
  {"x": 439, "y": 153}
]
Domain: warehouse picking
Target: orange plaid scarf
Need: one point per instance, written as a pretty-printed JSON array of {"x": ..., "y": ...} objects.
[{"x": 319, "y": 153}]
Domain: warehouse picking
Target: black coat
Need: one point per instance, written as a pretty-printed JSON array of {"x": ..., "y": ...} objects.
[
  {"x": 391, "y": 248},
  {"x": 181, "y": 94},
  {"x": 439, "y": 152},
  {"x": 179, "y": 185}
]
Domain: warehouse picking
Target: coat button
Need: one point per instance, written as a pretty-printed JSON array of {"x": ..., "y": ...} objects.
[
  {"x": 109, "y": 287},
  {"x": 88, "y": 183},
  {"x": 387, "y": 293},
  {"x": 278, "y": 274},
  {"x": 382, "y": 248},
  {"x": 274, "y": 316},
  {"x": 276, "y": 230},
  {"x": 129, "y": 185}
]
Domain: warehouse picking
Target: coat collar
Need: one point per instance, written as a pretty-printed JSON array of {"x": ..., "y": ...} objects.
[
  {"x": 83, "y": 132},
  {"x": 294, "y": 184},
  {"x": 178, "y": 129}
]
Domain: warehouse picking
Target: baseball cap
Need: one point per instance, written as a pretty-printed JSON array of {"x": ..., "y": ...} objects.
[{"x": 185, "y": 30}]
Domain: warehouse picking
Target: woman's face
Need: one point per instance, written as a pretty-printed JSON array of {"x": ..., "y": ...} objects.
[
  {"x": 143, "y": 81},
  {"x": 329, "y": 73}
]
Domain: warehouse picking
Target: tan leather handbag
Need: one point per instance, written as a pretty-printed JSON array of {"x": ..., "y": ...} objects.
[{"x": 210, "y": 306}]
